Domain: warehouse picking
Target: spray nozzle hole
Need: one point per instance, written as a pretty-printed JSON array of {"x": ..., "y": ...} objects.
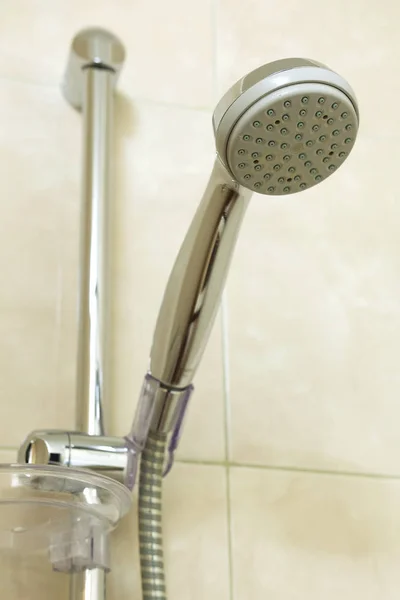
[
  {"x": 257, "y": 161},
  {"x": 331, "y": 153},
  {"x": 277, "y": 122},
  {"x": 325, "y": 117},
  {"x": 289, "y": 179}
]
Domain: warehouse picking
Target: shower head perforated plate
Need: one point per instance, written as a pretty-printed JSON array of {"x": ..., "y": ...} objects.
[{"x": 292, "y": 138}]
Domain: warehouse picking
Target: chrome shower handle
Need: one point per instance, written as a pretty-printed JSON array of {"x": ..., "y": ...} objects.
[
  {"x": 259, "y": 148},
  {"x": 193, "y": 293}
]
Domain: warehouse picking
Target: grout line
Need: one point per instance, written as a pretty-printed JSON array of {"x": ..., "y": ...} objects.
[
  {"x": 289, "y": 469},
  {"x": 227, "y": 429},
  {"x": 121, "y": 93},
  {"x": 229, "y": 531},
  {"x": 199, "y": 463},
  {"x": 226, "y": 373}
]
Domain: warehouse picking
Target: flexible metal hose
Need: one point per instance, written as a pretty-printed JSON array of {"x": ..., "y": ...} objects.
[{"x": 150, "y": 515}]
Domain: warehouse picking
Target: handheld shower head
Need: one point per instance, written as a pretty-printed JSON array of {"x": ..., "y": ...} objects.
[
  {"x": 281, "y": 129},
  {"x": 286, "y": 126}
]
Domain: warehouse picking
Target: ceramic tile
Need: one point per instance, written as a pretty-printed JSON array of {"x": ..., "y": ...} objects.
[
  {"x": 163, "y": 160},
  {"x": 195, "y": 538},
  {"x": 314, "y": 322},
  {"x": 36, "y": 177},
  {"x": 168, "y": 45},
  {"x": 363, "y": 51},
  {"x": 36, "y": 180},
  {"x": 28, "y": 350},
  {"x": 299, "y": 535},
  {"x": 31, "y": 578},
  {"x": 8, "y": 456}
]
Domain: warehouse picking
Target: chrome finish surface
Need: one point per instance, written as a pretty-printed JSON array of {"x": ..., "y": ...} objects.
[
  {"x": 95, "y": 59},
  {"x": 105, "y": 455},
  {"x": 194, "y": 289},
  {"x": 97, "y": 118},
  {"x": 109, "y": 456},
  {"x": 91, "y": 47},
  {"x": 44, "y": 448},
  {"x": 167, "y": 409},
  {"x": 88, "y": 585}
]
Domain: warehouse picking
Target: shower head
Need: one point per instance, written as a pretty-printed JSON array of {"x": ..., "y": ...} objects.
[
  {"x": 279, "y": 130},
  {"x": 286, "y": 126}
]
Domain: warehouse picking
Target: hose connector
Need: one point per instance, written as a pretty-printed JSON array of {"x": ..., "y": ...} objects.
[{"x": 160, "y": 410}]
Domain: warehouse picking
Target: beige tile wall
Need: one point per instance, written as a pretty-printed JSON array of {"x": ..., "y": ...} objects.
[{"x": 287, "y": 481}]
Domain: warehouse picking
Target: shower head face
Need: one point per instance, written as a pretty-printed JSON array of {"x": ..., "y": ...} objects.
[{"x": 286, "y": 126}]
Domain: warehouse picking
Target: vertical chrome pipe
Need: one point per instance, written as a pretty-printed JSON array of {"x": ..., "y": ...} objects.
[
  {"x": 88, "y": 585},
  {"x": 95, "y": 59},
  {"x": 97, "y": 119}
]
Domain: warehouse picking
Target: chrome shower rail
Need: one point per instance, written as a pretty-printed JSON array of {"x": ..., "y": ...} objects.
[{"x": 95, "y": 60}]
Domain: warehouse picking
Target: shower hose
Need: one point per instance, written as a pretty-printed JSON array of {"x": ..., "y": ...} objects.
[{"x": 150, "y": 515}]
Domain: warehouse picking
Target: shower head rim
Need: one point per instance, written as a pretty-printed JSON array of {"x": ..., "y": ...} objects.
[
  {"x": 252, "y": 78},
  {"x": 247, "y": 91}
]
